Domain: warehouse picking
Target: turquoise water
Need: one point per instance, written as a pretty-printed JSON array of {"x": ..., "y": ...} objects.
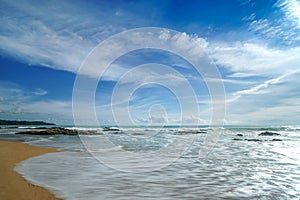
[{"x": 233, "y": 169}]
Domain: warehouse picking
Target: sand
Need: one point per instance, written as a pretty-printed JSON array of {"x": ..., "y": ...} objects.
[{"x": 12, "y": 185}]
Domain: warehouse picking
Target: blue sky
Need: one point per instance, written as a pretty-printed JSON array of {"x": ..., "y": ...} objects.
[{"x": 254, "y": 44}]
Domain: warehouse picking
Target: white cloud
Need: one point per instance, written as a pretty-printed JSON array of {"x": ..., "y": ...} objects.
[
  {"x": 20, "y": 103},
  {"x": 262, "y": 88},
  {"x": 241, "y": 75},
  {"x": 281, "y": 27},
  {"x": 56, "y": 108},
  {"x": 274, "y": 101},
  {"x": 29, "y": 36},
  {"x": 281, "y": 114},
  {"x": 55, "y": 37},
  {"x": 251, "y": 17},
  {"x": 55, "y": 34},
  {"x": 255, "y": 59},
  {"x": 291, "y": 10},
  {"x": 227, "y": 80},
  {"x": 40, "y": 92},
  {"x": 110, "y": 50},
  {"x": 271, "y": 66}
]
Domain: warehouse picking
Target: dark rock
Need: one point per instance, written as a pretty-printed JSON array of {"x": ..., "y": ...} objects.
[
  {"x": 50, "y": 131},
  {"x": 237, "y": 139},
  {"x": 254, "y": 140},
  {"x": 201, "y": 131},
  {"x": 267, "y": 133},
  {"x": 190, "y": 132},
  {"x": 241, "y": 135},
  {"x": 110, "y": 129},
  {"x": 276, "y": 140}
]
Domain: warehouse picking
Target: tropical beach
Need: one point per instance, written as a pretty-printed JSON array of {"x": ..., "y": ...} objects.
[
  {"x": 139, "y": 99},
  {"x": 13, "y": 185}
]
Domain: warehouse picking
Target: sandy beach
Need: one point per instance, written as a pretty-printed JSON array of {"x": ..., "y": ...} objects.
[{"x": 12, "y": 185}]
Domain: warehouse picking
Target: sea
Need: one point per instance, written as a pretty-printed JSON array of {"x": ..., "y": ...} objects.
[{"x": 230, "y": 162}]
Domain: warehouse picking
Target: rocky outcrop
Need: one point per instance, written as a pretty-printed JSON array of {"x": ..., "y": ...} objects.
[
  {"x": 50, "y": 131},
  {"x": 237, "y": 139},
  {"x": 276, "y": 140},
  {"x": 267, "y": 133},
  {"x": 249, "y": 139},
  {"x": 110, "y": 129},
  {"x": 185, "y": 132},
  {"x": 255, "y": 140}
]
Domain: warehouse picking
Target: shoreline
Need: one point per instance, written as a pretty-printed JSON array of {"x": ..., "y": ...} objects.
[{"x": 12, "y": 184}]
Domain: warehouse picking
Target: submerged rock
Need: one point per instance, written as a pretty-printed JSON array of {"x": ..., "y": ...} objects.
[
  {"x": 267, "y": 133},
  {"x": 237, "y": 139},
  {"x": 276, "y": 140},
  {"x": 240, "y": 135},
  {"x": 111, "y": 129},
  {"x": 50, "y": 131},
  {"x": 254, "y": 140},
  {"x": 184, "y": 132}
]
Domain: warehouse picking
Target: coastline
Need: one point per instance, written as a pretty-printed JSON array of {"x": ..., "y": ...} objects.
[{"x": 12, "y": 184}]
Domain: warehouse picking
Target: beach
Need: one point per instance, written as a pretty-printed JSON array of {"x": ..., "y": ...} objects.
[
  {"x": 246, "y": 163},
  {"x": 12, "y": 185}
]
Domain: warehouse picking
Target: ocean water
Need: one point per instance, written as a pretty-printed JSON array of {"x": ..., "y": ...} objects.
[{"x": 167, "y": 163}]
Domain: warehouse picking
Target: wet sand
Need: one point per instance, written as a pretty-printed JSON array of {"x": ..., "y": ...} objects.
[{"x": 12, "y": 185}]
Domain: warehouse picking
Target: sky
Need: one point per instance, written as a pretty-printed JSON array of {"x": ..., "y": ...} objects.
[{"x": 255, "y": 46}]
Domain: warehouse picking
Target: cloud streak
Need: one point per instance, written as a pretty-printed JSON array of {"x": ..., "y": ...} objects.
[{"x": 283, "y": 30}]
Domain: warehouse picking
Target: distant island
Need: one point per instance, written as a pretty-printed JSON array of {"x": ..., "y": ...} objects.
[{"x": 16, "y": 122}]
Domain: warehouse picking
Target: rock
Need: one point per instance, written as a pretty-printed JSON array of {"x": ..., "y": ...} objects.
[
  {"x": 237, "y": 139},
  {"x": 267, "y": 133},
  {"x": 50, "y": 131},
  {"x": 111, "y": 129},
  {"x": 241, "y": 135},
  {"x": 276, "y": 140},
  {"x": 185, "y": 132},
  {"x": 201, "y": 131},
  {"x": 89, "y": 132},
  {"x": 249, "y": 140},
  {"x": 254, "y": 140}
]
